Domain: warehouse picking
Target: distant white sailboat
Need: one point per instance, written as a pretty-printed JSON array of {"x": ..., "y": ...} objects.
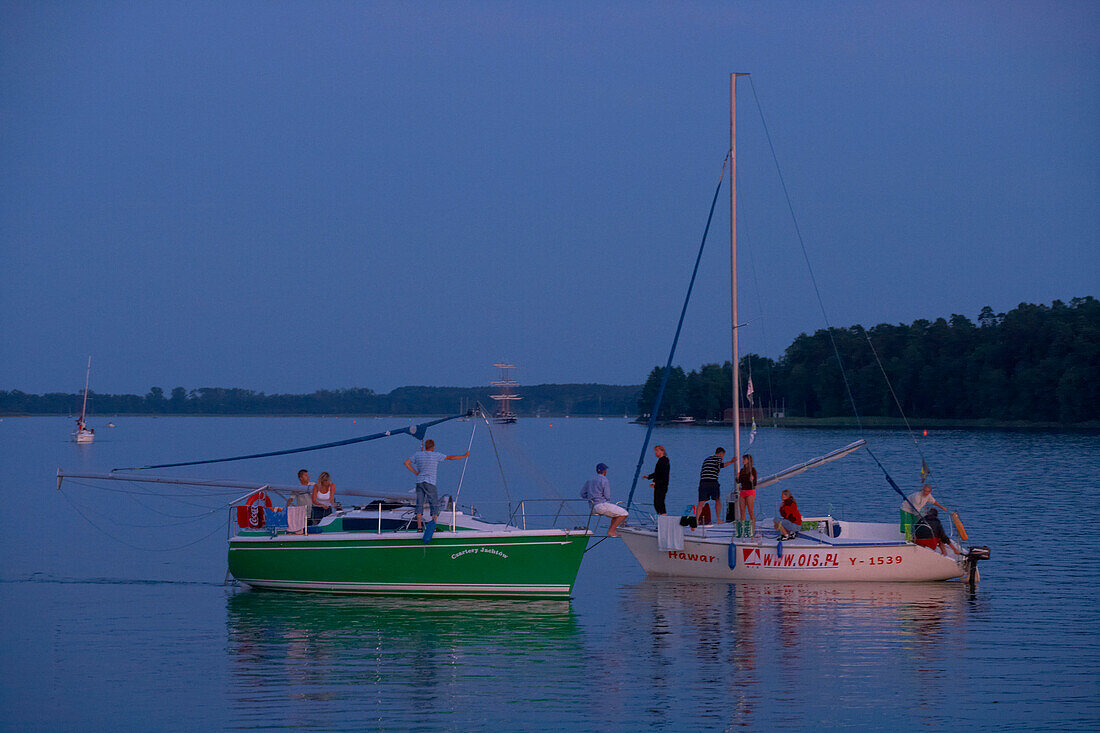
[{"x": 83, "y": 433}]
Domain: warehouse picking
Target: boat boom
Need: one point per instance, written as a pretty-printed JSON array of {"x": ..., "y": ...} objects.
[
  {"x": 61, "y": 476},
  {"x": 812, "y": 463}
]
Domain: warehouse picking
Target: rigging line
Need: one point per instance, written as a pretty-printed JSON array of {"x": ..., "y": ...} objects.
[
  {"x": 891, "y": 482},
  {"x": 185, "y": 517},
  {"x": 672, "y": 352},
  {"x": 133, "y": 546},
  {"x": 890, "y": 386},
  {"x": 806, "y": 257},
  {"x": 416, "y": 431},
  {"x": 759, "y": 304},
  {"x": 135, "y": 494},
  {"x": 162, "y": 524},
  {"x": 533, "y": 473},
  {"x": 503, "y": 478},
  {"x": 595, "y": 544},
  {"x": 192, "y": 495},
  {"x": 466, "y": 461}
]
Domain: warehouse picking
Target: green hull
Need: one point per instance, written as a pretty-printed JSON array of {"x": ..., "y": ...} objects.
[{"x": 534, "y": 564}]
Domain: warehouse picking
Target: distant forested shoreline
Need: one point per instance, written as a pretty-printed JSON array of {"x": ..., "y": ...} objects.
[
  {"x": 538, "y": 399},
  {"x": 1035, "y": 363}
]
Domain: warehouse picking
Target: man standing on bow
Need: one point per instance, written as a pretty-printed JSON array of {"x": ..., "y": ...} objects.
[{"x": 424, "y": 464}]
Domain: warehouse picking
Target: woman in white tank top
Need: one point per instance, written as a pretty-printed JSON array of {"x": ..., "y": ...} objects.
[{"x": 323, "y": 496}]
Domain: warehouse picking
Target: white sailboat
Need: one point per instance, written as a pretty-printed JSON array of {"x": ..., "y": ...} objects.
[
  {"x": 826, "y": 549},
  {"x": 83, "y": 433}
]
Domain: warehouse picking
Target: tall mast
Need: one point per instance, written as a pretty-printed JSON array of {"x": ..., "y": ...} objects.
[
  {"x": 84, "y": 407},
  {"x": 733, "y": 269}
]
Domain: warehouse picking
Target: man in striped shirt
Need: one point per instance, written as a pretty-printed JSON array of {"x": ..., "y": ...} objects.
[{"x": 709, "y": 488}]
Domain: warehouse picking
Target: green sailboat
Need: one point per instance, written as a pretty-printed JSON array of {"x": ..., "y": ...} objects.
[{"x": 377, "y": 548}]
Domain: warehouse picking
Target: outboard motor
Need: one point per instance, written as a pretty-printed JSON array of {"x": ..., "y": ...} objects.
[{"x": 973, "y": 555}]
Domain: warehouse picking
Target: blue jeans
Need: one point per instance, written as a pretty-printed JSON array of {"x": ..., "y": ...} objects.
[{"x": 424, "y": 490}]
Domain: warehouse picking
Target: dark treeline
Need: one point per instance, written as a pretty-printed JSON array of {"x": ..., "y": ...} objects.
[
  {"x": 545, "y": 399},
  {"x": 1035, "y": 363}
]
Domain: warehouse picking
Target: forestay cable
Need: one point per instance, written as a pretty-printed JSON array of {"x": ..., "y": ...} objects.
[
  {"x": 466, "y": 462},
  {"x": 503, "y": 478},
  {"x": 925, "y": 471},
  {"x": 890, "y": 481},
  {"x": 672, "y": 352}
]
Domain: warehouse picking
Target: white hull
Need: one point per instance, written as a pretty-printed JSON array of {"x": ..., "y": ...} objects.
[
  {"x": 83, "y": 436},
  {"x": 762, "y": 559}
]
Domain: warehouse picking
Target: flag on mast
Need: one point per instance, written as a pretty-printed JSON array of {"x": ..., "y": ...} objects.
[
  {"x": 925, "y": 471},
  {"x": 748, "y": 397}
]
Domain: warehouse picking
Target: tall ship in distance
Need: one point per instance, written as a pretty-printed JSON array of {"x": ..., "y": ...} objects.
[{"x": 505, "y": 415}]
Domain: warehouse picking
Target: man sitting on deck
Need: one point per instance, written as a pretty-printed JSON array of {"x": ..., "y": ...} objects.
[
  {"x": 929, "y": 533},
  {"x": 790, "y": 520},
  {"x": 597, "y": 491}
]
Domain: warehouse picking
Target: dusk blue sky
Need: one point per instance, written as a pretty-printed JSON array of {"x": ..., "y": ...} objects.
[{"x": 294, "y": 196}]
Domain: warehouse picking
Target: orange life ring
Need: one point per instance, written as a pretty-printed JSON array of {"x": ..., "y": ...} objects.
[
  {"x": 249, "y": 515},
  {"x": 259, "y": 495}
]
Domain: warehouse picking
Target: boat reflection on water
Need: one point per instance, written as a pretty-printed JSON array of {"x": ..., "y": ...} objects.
[
  {"x": 353, "y": 651},
  {"x": 394, "y": 624},
  {"x": 750, "y": 641}
]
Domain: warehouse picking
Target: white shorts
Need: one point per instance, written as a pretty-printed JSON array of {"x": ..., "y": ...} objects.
[{"x": 608, "y": 509}]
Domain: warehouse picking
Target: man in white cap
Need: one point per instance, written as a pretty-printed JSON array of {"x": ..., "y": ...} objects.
[{"x": 597, "y": 490}]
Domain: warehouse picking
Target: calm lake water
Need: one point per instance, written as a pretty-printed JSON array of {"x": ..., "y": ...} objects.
[{"x": 114, "y": 614}]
